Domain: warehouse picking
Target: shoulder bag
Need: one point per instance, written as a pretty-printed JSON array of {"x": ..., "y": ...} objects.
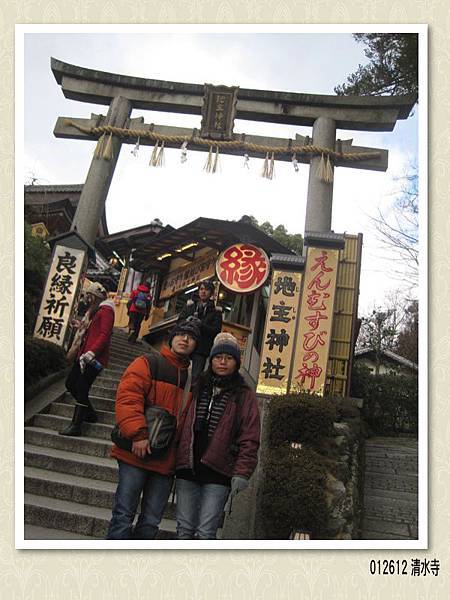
[{"x": 75, "y": 346}]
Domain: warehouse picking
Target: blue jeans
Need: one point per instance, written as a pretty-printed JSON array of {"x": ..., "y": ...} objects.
[
  {"x": 155, "y": 490},
  {"x": 199, "y": 508}
]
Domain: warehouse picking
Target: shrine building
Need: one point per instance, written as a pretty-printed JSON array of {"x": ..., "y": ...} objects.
[{"x": 175, "y": 261}]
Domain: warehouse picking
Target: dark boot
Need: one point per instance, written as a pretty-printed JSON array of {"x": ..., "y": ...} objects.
[
  {"x": 91, "y": 415},
  {"x": 74, "y": 429}
]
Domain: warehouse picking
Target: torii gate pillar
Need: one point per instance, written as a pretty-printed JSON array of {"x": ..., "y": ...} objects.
[
  {"x": 98, "y": 180},
  {"x": 319, "y": 202}
]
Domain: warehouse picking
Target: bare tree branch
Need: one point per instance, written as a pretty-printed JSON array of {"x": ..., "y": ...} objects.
[{"x": 398, "y": 229}]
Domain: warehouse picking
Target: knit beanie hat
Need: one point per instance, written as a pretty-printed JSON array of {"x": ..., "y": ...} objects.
[
  {"x": 226, "y": 343},
  {"x": 96, "y": 289},
  {"x": 191, "y": 326}
]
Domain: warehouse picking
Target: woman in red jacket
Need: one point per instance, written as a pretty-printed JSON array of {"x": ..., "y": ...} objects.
[
  {"x": 218, "y": 446},
  {"x": 91, "y": 357}
]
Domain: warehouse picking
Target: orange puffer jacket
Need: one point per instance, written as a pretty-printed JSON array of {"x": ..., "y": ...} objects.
[{"x": 139, "y": 386}]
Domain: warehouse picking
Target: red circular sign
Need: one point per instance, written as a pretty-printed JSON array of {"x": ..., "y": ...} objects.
[{"x": 243, "y": 268}]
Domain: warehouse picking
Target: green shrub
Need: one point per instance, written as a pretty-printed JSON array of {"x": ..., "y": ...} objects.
[
  {"x": 36, "y": 264},
  {"x": 293, "y": 493},
  {"x": 41, "y": 359},
  {"x": 303, "y": 418},
  {"x": 390, "y": 400}
]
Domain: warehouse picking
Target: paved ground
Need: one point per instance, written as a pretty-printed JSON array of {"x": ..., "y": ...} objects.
[{"x": 390, "y": 489}]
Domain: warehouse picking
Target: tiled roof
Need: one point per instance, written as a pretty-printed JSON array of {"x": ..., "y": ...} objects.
[
  {"x": 74, "y": 187},
  {"x": 288, "y": 260},
  {"x": 389, "y": 354}
]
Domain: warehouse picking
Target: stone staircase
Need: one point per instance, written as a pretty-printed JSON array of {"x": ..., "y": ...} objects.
[{"x": 70, "y": 481}]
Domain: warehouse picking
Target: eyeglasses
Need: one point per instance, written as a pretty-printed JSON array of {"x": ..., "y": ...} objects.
[
  {"x": 186, "y": 336},
  {"x": 223, "y": 357}
]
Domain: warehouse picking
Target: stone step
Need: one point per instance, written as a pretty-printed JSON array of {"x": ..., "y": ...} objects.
[
  {"x": 49, "y": 438},
  {"x": 391, "y": 467},
  {"x": 74, "y": 488},
  {"x": 119, "y": 365},
  {"x": 109, "y": 378},
  {"x": 65, "y": 486},
  {"x": 98, "y": 402},
  {"x": 66, "y": 410},
  {"x": 77, "y": 518},
  {"x": 386, "y": 527},
  {"x": 75, "y": 463},
  {"x": 110, "y": 375},
  {"x": 34, "y": 532},
  {"x": 106, "y": 404},
  {"x": 112, "y": 372},
  {"x": 130, "y": 349},
  {"x": 107, "y": 382},
  {"x": 119, "y": 356},
  {"x": 406, "y": 483},
  {"x": 95, "y": 430},
  {"x": 103, "y": 392}
]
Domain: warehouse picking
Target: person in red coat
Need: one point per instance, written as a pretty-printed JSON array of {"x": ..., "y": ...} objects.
[
  {"x": 218, "y": 447},
  {"x": 92, "y": 356},
  {"x": 139, "y": 306}
]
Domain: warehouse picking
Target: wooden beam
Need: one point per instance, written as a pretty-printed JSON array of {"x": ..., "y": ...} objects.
[{"x": 63, "y": 129}]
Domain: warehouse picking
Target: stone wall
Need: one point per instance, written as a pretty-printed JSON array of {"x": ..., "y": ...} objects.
[{"x": 343, "y": 489}]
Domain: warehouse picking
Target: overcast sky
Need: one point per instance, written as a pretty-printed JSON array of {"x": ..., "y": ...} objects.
[{"x": 178, "y": 193}]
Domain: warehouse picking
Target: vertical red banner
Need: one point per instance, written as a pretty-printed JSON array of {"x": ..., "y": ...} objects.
[{"x": 315, "y": 320}]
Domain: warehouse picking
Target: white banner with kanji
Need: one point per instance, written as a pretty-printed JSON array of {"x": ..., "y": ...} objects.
[
  {"x": 59, "y": 294},
  {"x": 279, "y": 333}
]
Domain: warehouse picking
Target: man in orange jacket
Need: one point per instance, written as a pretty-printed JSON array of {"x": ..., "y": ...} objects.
[{"x": 139, "y": 472}]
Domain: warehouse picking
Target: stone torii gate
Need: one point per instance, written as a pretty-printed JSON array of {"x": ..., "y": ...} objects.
[
  {"x": 123, "y": 93},
  {"x": 324, "y": 113}
]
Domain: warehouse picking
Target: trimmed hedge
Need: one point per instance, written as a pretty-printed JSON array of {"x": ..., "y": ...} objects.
[
  {"x": 294, "y": 493},
  {"x": 303, "y": 418},
  {"x": 41, "y": 359}
]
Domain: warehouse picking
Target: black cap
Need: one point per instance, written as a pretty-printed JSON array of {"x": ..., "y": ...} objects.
[{"x": 189, "y": 326}]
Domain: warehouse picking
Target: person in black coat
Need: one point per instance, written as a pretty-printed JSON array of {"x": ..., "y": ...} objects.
[{"x": 210, "y": 317}]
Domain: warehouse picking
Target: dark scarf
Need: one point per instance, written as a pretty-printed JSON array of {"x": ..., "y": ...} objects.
[{"x": 212, "y": 400}]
